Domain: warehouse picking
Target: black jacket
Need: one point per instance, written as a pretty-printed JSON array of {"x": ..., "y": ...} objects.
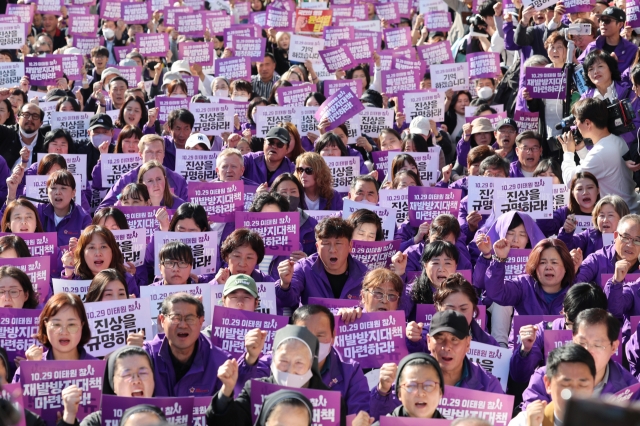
[{"x": 10, "y": 145}]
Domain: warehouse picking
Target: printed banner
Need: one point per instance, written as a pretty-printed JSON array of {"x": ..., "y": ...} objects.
[
  {"x": 39, "y": 243},
  {"x": 203, "y": 244},
  {"x": 268, "y": 117},
  {"x": 389, "y": 12},
  {"x": 77, "y": 124},
  {"x": 343, "y": 170},
  {"x": 375, "y": 254},
  {"x": 427, "y": 203},
  {"x": 311, "y": 22},
  {"x": 428, "y": 104},
  {"x": 339, "y": 107},
  {"x": 492, "y": 407},
  {"x": 220, "y": 199},
  {"x": 386, "y": 214},
  {"x": 178, "y": 411},
  {"x": 190, "y": 24},
  {"x": 24, "y": 12},
  {"x": 493, "y": 359},
  {"x": 16, "y": 328},
  {"x": 545, "y": 83},
  {"x": 153, "y": 44},
  {"x": 11, "y": 73},
  {"x": 450, "y": 76},
  {"x": 166, "y": 104},
  {"x": 79, "y": 287},
  {"x": 361, "y": 49},
  {"x": 527, "y": 120},
  {"x": 136, "y": 13},
  {"x": 397, "y": 37},
  {"x": 302, "y": 48},
  {"x": 632, "y": 9},
  {"x": 157, "y": 294},
  {"x": 212, "y": 119},
  {"x": 279, "y": 231},
  {"x": 279, "y": 19},
  {"x": 12, "y": 36},
  {"x": 49, "y": 7},
  {"x": 337, "y": 58},
  {"x": 197, "y": 52},
  {"x": 43, "y": 71},
  {"x": 396, "y": 81},
  {"x": 561, "y": 196},
  {"x": 196, "y": 166},
  {"x": 133, "y": 244},
  {"x": 533, "y": 196},
  {"x": 480, "y": 195},
  {"x": 516, "y": 263},
  {"x": 483, "y": 64},
  {"x": 141, "y": 218},
  {"x": 249, "y": 47},
  {"x": 234, "y": 68},
  {"x": 116, "y": 165},
  {"x": 38, "y": 268},
  {"x": 538, "y": 4},
  {"x": 333, "y": 35},
  {"x": 294, "y": 95}
]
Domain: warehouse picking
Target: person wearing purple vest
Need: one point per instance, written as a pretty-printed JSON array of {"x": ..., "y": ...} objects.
[
  {"x": 625, "y": 248},
  {"x": 529, "y": 355},
  {"x": 597, "y": 331},
  {"x": 528, "y": 150},
  {"x": 266, "y": 166},
  {"x": 477, "y": 133},
  {"x": 449, "y": 342},
  {"x": 185, "y": 362},
  {"x": 151, "y": 148},
  {"x": 180, "y": 123}
]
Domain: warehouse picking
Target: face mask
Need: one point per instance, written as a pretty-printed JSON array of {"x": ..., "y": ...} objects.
[
  {"x": 108, "y": 33},
  {"x": 289, "y": 379},
  {"x": 240, "y": 98},
  {"x": 221, "y": 93},
  {"x": 28, "y": 135},
  {"x": 294, "y": 202},
  {"x": 97, "y": 140},
  {"x": 485, "y": 93},
  {"x": 324, "y": 351}
]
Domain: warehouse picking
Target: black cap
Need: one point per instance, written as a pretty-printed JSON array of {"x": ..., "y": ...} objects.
[
  {"x": 100, "y": 120},
  {"x": 615, "y": 13},
  {"x": 450, "y": 321},
  {"x": 55, "y": 94},
  {"x": 507, "y": 122},
  {"x": 279, "y": 133}
]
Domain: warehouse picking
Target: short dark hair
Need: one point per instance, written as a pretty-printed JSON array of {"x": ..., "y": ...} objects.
[
  {"x": 270, "y": 55},
  {"x": 362, "y": 216},
  {"x": 269, "y": 198},
  {"x": 14, "y": 242},
  {"x": 570, "y": 353},
  {"x": 176, "y": 250},
  {"x": 191, "y": 211},
  {"x": 241, "y": 237},
  {"x": 547, "y": 164},
  {"x": 99, "y": 51},
  {"x": 55, "y": 134},
  {"x": 635, "y": 74},
  {"x": 494, "y": 162},
  {"x": 600, "y": 55},
  {"x": 113, "y": 212},
  {"x": 596, "y": 316},
  {"x": 486, "y": 8},
  {"x": 333, "y": 227},
  {"x": 27, "y": 287},
  {"x": 373, "y": 97},
  {"x": 444, "y": 225},
  {"x": 364, "y": 178},
  {"x": 484, "y": 107},
  {"x": 528, "y": 135},
  {"x": 303, "y": 313},
  {"x": 119, "y": 78},
  {"x": 331, "y": 139},
  {"x": 583, "y": 296},
  {"x": 181, "y": 298},
  {"x": 592, "y": 109},
  {"x": 319, "y": 97},
  {"x": 438, "y": 248},
  {"x": 181, "y": 114}
]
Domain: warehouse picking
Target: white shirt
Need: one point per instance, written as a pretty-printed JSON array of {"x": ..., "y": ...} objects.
[
  {"x": 611, "y": 94},
  {"x": 312, "y": 205}
]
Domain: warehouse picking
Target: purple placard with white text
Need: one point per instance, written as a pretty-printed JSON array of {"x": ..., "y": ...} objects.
[
  {"x": 545, "y": 83},
  {"x": 556, "y": 338},
  {"x": 361, "y": 49},
  {"x": 154, "y": 44},
  {"x": 13, "y": 393},
  {"x": 436, "y": 53},
  {"x": 166, "y": 104},
  {"x": 43, "y": 71},
  {"x": 334, "y": 305},
  {"x": 633, "y": 13},
  {"x": 49, "y": 7},
  {"x": 427, "y": 203},
  {"x": 279, "y": 231},
  {"x": 389, "y": 12},
  {"x": 294, "y": 95},
  {"x": 83, "y": 25},
  {"x": 86, "y": 43},
  {"x": 337, "y": 58},
  {"x": 527, "y": 120},
  {"x": 483, "y": 64},
  {"x": 136, "y": 13},
  {"x": 191, "y": 24},
  {"x": 375, "y": 254},
  {"x": 395, "y": 81},
  {"x": 339, "y": 107},
  {"x": 249, "y": 47},
  {"x": 178, "y": 411},
  {"x": 437, "y": 21},
  {"x": 39, "y": 271},
  {"x": 332, "y": 86},
  {"x": 577, "y": 6},
  {"x": 332, "y": 35},
  {"x": 23, "y": 11},
  {"x": 141, "y": 217},
  {"x": 397, "y": 37},
  {"x": 16, "y": 328},
  {"x": 516, "y": 263},
  {"x": 197, "y": 52},
  {"x": 493, "y": 407},
  {"x": 220, "y": 199},
  {"x": 234, "y": 68},
  {"x": 279, "y": 19}
]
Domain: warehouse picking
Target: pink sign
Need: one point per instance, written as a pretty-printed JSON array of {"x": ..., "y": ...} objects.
[
  {"x": 337, "y": 58},
  {"x": 279, "y": 231},
  {"x": 220, "y": 199},
  {"x": 427, "y": 203},
  {"x": 492, "y": 407},
  {"x": 395, "y": 81},
  {"x": 484, "y": 64},
  {"x": 339, "y": 107},
  {"x": 375, "y": 254},
  {"x": 234, "y": 68},
  {"x": 154, "y": 44},
  {"x": 389, "y": 12},
  {"x": 43, "y": 71},
  {"x": 190, "y": 24}
]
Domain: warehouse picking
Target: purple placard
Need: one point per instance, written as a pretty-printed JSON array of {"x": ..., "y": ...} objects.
[
  {"x": 132, "y": 74},
  {"x": 110, "y": 10},
  {"x": 166, "y": 104},
  {"x": 381, "y": 162},
  {"x": 82, "y": 25},
  {"x": 520, "y": 321},
  {"x": 122, "y": 51},
  {"x": 279, "y": 19},
  {"x": 141, "y": 217},
  {"x": 234, "y": 68},
  {"x": 294, "y": 95},
  {"x": 218, "y": 23},
  {"x": 527, "y": 120},
  {"x": 332, "y": 86},
  {"x": 49, "y": 7},
  {"x": 337, "y": 58},
  {"x": 178, "y": 411},
  {"x": 516, "y": 263},
  {"x": 220, "y": 199},
  {"x": 39, "y": 271},
  {"x": 632, "y": 9},
  {"x": 326, "y": 403},
  {"x": 389, "y": 12},
  {"x": 229, "y": 326},
  {"x": 136, "y": 13},
  {"x": 200, "y": 406},
  {"x": 493, "y": 407},
  {"x": 43, "y": 382},
  {"x": 493, "y": 118},
  {"x": 375, "y": 254},
  {"x": 556, "y": 338},
  {"x": 13, "y": 393},
  {"x": 427, "y": 203},
  {"x": 633, "y": 322},
  {"x": 397, "y": 37},
  {"x": 483, "y": 64},
  {"x": 402, "y": 63},
  {"x": 39, "y": 243},
  {"x": 628, "y": 279},
  {"x": 244, "y": 30},
  {"x": 10, "y": 19},
  {"x": 339, "y": 107},
  {"x": 154, "y": 44},
  {"x": 78, "y": 10},
  {"x": 334, "y": 305},
  {"x": 384, "y": 343},
  {"x": 577, "y": 6},
  {"x": 625, "y": 395},
  {"x": 23, "y": 11},
  {"x": 395, "y": 81},
  {"x": 361, "y": 49},
  {"x": 333, "y": 35},
  {"x": 376, "y": 38},
  {"x": 279, "y": 231},
  {"x": 191, "y": 24},
  {"x": 425, "y": 313},
  {"x": 72, "y": 66},
  {"x": 170, "y": 13},
  {"x": 250, "y": 47},
  {"x": 545, "y": 83},
  {"x": 197, "y": 52},
  {"x": 43, "y": 71},
  {"x": 411, "y": 421},
  {"x": 437, "y": 21},
  {"x": 16, "y": 328}
]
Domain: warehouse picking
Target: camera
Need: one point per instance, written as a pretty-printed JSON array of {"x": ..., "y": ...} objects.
[
  {"x": 568, "y": 124},
  {"x": 620, "y": 120},
  {"x": 477, "y": 24}
]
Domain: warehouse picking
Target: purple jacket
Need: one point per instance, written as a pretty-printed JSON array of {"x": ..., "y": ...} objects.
[
  {"x": 310, "y": 280},
  {"x": 462, "y": 219},
  {"x": 306, "y": 143},
  {"x": 623, "y": 302},
  {"x": 71, "y": 225},
  {"x": 521, "y": 368},
  {"x": 477, "y": 335},
  {"x": 176, "y": 182},
  {"x": 602, "y": 261},
  {"x": 335, "y": 204},
  {"x": 476, "y": 379},
  {"x": 414, "y": 253},
  {"x": 514, "y": 170},
  {"x": 169, "y": 153},
  {"x": 625, "y": 51},
  {"x": 5, "y": 172},
  {"x": 551, "y": 227},
  {"x": 48, "y": 356},
  {"x": 255, "y": 168},
  {"x": 619, "y": 378},
  {"x": 462, "y": 184},
  {"x": 632, "y": 349},
  {"x": 355, "y": 153},
  {"x": 462, "y": 150},
  {"x": 589, "y": 240}
]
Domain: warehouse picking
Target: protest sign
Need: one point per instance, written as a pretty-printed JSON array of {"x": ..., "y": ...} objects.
[
  {"x": 538, "y": 4},
  {"x": 49, "y": 7},
  {"x": 177, "y": 410},
  {"x": 624, "y": 395},
  {"x": 76, "y": 123},
  {"x": 412, "y": 421},
  {"x": 136, "y": 13},
  {"x": 203, "y": 244},
  {"x": 389, "y": 12},
  {"x": 428, "y": 6},
  {"x": 166, "y": 104},
  {"x": 397, "y": 37},
  {"x": 249, "y": 47},
  {"x": 318, "y": 215},
  {"x": 229, "y": 326},
  {"x": 279, "y": 231},
  {"x": 116, "y": 165},
  {"x": 43, "y": 71},
  {"x": 72, "y": 65},
  {"x": 12, "y": 36},
  {"x": 76, "y": 163},
  {"x": 360, "y": 49},
  {"x": 337, "y": 58},
  {"x": 6, "y": 19},
  {"x": 343, "y": 171},
  {"x": 157, "y": 294},
  {"x": 220, "y": 199},
  {"x": 527, "y": 121},
  {"x": 266, "y": 294},
  {"x": 386, "y": 214},
  {"x": 153, "y": 44},
  {"x": 133, "y": 75},
  {"x": 353, "y": 127},
  {"x": 111, "y": 10},
  {"x": 633, "y": 16},
  {"x": 212, "y": 119},
  {"x": 43, "y": 382},
  {"x": 11, "y": 73},
  {"x": 492, "y": 407},
  {"x": 302, "y": 48},
  {"x": 79, "y": 287},
  {"x": 438, "y": 21},
  {"x": 234, "y": 68},
  {"x": 24, "y": 12},
  {"x": 560, "y": 196},
  {"x": 139, "y": 217},
  {"x": 375, "y": 254},
  {"x": 493, "y": 359},
  {"x": 17, "y": 326},
  {"x": 399, "y": 62},
  {"x": 398, "y": 200},
  {"x": 294, "y": 95},
  {"x": 244, "y": 30},
  {"x": 326, "y": 403},
  {"x": 450, "y": 76},
  {"x": 483, "y": 64},
  {"x": 427, "y": 203},
  {"x": 424, "y": 103},
  {"x": 311, "y": 22},
  {"x": 395, "y": 81},
  {"x": 332, "y": 86},
  {"x": 197, "y": 52},
  {"x": 334, "y": 305},
  {"x": 13, "y": 393},
  {"x": 38, "y": 268},
  {"x": 372, "y": 340},
  {"x": 267, "y": 117},
  {"x": 218, "y": 23},
  {"x": 279, "y": 19},
  {"x": 480, "y": 195},
  {"x": 39, "y": 243},
  {"x": 132, "y": 243},
  {"x": 339, "y": 107},
  {"x": 305, "y": 120},
  {"x": 190, "y": 24},
  {"x": 374, "y": 120},
  {"x": 556, "y": 338},
  {"x": 583, "y": 222},
  {"x": 333, "y": 35},
  {"x": 516, "y": 263},
  {"x": 428, "y": 164},
  {"x": 112, "y": 321},
  {"x": 545, "y": 83},
  {"x": 533, "y": 196}
]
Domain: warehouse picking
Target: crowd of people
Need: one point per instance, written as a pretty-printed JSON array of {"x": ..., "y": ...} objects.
[{"x": 579, "y": 279}]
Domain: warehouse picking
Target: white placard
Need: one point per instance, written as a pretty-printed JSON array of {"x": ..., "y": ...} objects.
[
  {"x": 76, "y": 123},
  {"x": 582, "y": 222},
  {"x": 539, "y": 4},
  {"x": 560, "y": 195},
  {"x": 12, "y": 36},
  {"x": 305, "y": 120},
  {"x": 428, "y": 104},
  {"x": 157, "y": 293},
  {"x": 450, "y": 76},
  {"x": 302, "y": 48},
  {"x": 426, "y": 6},
  {"x": 133, "y": 244},
  {"x": 343, "y": 170},
  {"x": 493, "y": 359},
  {"x": 480, "y": 195},
  {"x": 396, "y": 199},
  {"x": 268, "y": 117},
  {"x": 266, "y": 293},
  {"x": 114, "y": 166},
  {"x": 373, "y": 120},
  {"x": 428, "y": 165},
  {"x": 533, "y": 196},
  {"x": 196, "y": 166},
  {"x": 607, "y": 240},
  {"x": 79, "y": 287},
  {"x": 212, "y": 119},
  {"x": 76, "y": 164},
  {"x": 11, "y": 73}
]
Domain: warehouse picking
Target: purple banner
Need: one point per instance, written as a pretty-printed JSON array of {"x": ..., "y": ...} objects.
[
  {"x": 229, "y": 326},
  {"x": 243, "y": 30},
  {"x": 326, "y": 404},
  {"x": 492, "y": 407},
  {"x": 339, "y": 107},
  {"x": 577, "y": 6},
  {"x": 234, "y": 68},
  {"x": 545, "y": 83},
  {"x": 178, "y": 411},
  {"x": 279, "y": 19},
  {"x": 437, "y": 21},
  {"x": 520, "y": 321},
  {"x": 85, "y": 44},
  {"x": 43, "y": 382},
  {"x": 220, "y": 199},
  {"x": 334, "y": 305},
  {"x": 333, "y": 35},
  {"x": 82, "y": 25},
  {"x": 483, "y": 64},
  {"x": 16, "y": 328},
  {"x": 23, "y": 11},
  {"x": 39, "y": 271},
  {"x": 121, "y": 52},
  {"x": 171, "y": 12},
  {"x": 133, "y": 75},
  {"x": 155, "y": 44},
  {"x": 49, "y": 7},
  {"x": 217, "y": 22},
  {"x": 554, "y": 339},
  {"x": 395, "y": 81},
  {"x": 166, "y": 104},
  {"x": 13, "y": 393},
  {"x": 337, "y": 58},
  {"x": 136, "y": 13},
  {"x": 527, "y": 120},
  {"x": 332, "y": 86},
  {"x": 197, "y": 52},
  {"x": 141, "y": 217},
  {"x": 40, "y": 243},
  {"x": 427, "y": 203},
  {"x": 72, "y": 65},
  {"x": 279, "y": 231},
  {"x": 375, "y": 254},
  {"x": 191, "y": 24},
  {"x": 516, "y": 263},
  {"x": 43, "y": 71},
  {"x": 249, "y": 47},
  {"x": 425, "y": 313},
  {"x": 389, "y": 12},
  {"x": 361, "y": 49},
  {"x": 397, "y": 37},
  {"x": 294, "y": 95},
  {"x": 111, "y": 10},
  {"x": 374, "y": 339},
  {"x": 632, "y": 9}
]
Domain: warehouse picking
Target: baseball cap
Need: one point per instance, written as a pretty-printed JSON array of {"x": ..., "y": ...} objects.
[
  {"x": 450, "y": 321},
  {"x": 55, "y": 94},
  {"x": 420, "y": 125},
  {"x": 481, "y": 125},
  {"x": 279, "y": 133},
  {"x": 168, "y": 78},
  {"x": 615, "y": 13},
  {"x": 240, "y": 282},
  {"x": 507, "y": 122},
  {"x": 100, "y": 120},
  {"x": 196, "y": 139},
  {"x": 109, "y": 72}
]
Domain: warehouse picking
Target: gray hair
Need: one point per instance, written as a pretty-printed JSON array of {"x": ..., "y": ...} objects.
[
  {"x": 535, "y": 61},
  {"x": 630, "y": 217},
  {"x": 470, "y": 421},
  {"x": 181, "y": 298},
  {"x": 228, "y": 152}
]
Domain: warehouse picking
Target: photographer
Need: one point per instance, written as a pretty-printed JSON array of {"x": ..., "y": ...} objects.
[
  {"x": 604, "y": 160},
  {"x": 483, "y": 33}
]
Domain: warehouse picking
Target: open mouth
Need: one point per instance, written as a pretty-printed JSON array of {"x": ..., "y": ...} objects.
[
  {"x": 333, "y": 260},
  {"x": 586, "y": 200},
  {"x": 137, "y": 394},
  {"x": 442, "y": 277},
  {"x": 446, "y": 358},
  {"x": 182, "y": 334},
  {"x": 57, "y": 199},
  {"x": 64, "y": 342},
  {"x": 549, "y": 276},
  {"x": 420, "y": 405}
]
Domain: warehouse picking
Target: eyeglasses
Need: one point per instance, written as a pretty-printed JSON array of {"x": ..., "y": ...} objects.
[
  {"x": 307, "y": 170},
  {"x": 627, "y": 240},
  {"x": 177, "y": 319},
  {"x": 13, "y": 294},
  {"x": 507, "y": 131},
  {"x": 378, "y": 295},
  {"x": 530, "y": 149},
  {"x": 57, "y": 328},
  {"x": 29, "y": 116},
  {"x": 605, "y": 21},
  {"x": 142, "y": 375},
  {"x": 175, "y": 264},
  {"x": 428, "y": 386},
  {"x": 277, "y": 144},
  {"x": 599, "y": 348}
]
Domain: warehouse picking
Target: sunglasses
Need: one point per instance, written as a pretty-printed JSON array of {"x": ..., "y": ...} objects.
[
  {"x": 606, "y": 21},
  {"x": 307, "y": 170},
  {"x": 277, "y": 144}
]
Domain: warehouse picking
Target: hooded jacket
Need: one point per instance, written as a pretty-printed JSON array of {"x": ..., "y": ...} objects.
[{"x": 255, "y": 168}]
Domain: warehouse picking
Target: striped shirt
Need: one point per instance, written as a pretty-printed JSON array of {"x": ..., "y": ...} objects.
[{"x": 261, "y": 88}]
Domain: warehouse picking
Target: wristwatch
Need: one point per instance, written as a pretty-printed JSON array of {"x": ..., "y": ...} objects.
[{"x": 499, "y": 259}]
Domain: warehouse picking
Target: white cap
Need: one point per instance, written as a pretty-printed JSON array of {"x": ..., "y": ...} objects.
[
  {"x": 72, "y": 51},
  {"x": 196, "y": 139},
  {"x": 420, "y": 125},
  {"x": 181, "y": 65}
]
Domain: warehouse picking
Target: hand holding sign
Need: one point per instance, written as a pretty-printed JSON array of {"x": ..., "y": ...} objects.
[
  {"x": 71, "y": 397},
  {"x": 349, "y": 315},
  {"x": 228, "y": 375},
  {"x": 136, "y": 339},
  {"x": 484, "y": 244},
  {"x": 254, "y": 344},
  {"x": 527, "y": 337},
  {"x": 473, "y": 220},
  {"x": 414, "y": 331},
  {"x": 388, "y": 373},
  {"x": 621, "y": 269}
]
